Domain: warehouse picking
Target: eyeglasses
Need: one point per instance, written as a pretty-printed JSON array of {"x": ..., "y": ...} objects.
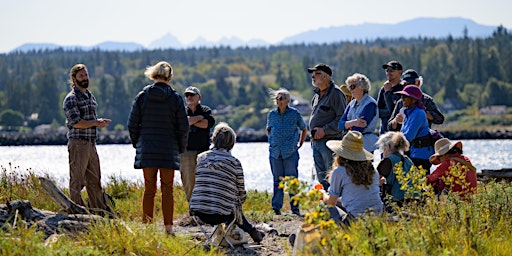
[
  {"x": 189, "y": 95},
  {"x": 352, "y": 86},
  {"x": 389, "y": 70},
  {"x": 404, "y": 96},
  {"x": 280, "y": 98}
]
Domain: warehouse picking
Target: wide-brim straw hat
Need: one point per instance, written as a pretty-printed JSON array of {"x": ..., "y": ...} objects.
[
  {"x": 442, "y": 147},
  {"x": 350, "y": 147}
]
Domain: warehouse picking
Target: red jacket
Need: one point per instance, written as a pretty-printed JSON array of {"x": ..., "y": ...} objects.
[{"x": 443, "y": 171}]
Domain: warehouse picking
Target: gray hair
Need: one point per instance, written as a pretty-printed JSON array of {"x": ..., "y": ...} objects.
[
  {"x": 359, "y": 80},
  {"x": 395, "y": 140},
  {"x": 223, "y": 136},
  {"x": 162, "y": 70},
  {"x": 281, "y": 91}
]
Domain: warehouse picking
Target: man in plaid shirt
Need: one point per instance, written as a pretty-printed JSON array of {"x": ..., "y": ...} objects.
[{"x": 81, "y": 120}]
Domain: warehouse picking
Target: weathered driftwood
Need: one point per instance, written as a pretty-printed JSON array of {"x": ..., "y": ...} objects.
[
  {"x": 73, "y": 218},
  {"x": 504, "y": 174},
  {"x": 56, "y": 194}
]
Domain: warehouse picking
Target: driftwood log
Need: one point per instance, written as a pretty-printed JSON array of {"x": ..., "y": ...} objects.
[{"x": 73, "y": 217}]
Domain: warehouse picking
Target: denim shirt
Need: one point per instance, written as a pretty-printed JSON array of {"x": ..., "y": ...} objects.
[{"x": 284, "y": 131}]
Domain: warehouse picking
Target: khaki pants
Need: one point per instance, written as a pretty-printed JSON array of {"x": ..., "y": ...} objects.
[
  {"x": 188, "y": 162},
  {"x": 84, "y": 171},
  {"x": 166, "y": 185}
]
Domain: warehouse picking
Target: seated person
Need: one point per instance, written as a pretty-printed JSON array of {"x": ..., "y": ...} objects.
[
  {"x": 447, "y": 155},
  {"x": 353, "y": 179},
  {"x": 393, "y": 146},
  {"x": 219, "y": 191}
]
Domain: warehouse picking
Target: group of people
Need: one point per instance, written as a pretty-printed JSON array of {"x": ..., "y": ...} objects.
[{"x": 170, "y": 133}]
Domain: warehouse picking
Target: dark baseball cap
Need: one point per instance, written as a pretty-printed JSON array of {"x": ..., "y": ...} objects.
[
  {"x": 322, "y": 67},
  {"x": 410, "y": 76},
  {"x": 393, "y": 64}
]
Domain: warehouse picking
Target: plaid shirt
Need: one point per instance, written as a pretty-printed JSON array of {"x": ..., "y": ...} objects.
[{"x": 80, "y": 106}]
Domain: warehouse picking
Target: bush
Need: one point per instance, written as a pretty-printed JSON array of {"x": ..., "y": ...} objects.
[{"x": 10, "y": 117}]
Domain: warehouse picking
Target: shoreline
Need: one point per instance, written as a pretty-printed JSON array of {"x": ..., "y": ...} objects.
[{"x": 121, "y": 137}]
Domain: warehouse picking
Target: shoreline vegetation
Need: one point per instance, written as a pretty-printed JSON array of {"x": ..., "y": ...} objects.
[
  {"x": 14, "y": 138},
  {"x": 480, "y": 225}
]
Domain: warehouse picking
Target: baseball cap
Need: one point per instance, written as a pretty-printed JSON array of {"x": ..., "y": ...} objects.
[
  {"x": 393, "y": 64},
  {"x": 322, "y": 67},
  {"x": 193, "y": 90},
  {"x": 410, "y": 76}
]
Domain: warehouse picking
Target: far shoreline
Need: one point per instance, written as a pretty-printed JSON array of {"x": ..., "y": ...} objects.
[{"x": 10, "y": 138}]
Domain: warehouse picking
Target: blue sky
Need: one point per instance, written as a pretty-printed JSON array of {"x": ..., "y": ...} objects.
[{"x": 91, "y": 22}]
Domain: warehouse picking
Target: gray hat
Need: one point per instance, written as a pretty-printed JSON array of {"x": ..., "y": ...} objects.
[{"x": 193, "y": 90}]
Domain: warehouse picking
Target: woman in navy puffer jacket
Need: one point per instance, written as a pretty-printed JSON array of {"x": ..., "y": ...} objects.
[{"x": 158, "y": 129}]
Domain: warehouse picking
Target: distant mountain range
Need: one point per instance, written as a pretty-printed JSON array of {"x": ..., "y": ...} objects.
[{"x": 424, "y": 27}]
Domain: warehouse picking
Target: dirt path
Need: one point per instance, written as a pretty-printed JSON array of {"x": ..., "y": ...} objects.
[{"x": 274, "y": 243}]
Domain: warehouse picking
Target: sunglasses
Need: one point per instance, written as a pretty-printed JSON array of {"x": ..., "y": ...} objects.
[
  {"x": 189, "y": 95},
  {"x": 352, "y": 87},
  {"x": 389, "y": 70},
  {"x": 280, "y": 98}
]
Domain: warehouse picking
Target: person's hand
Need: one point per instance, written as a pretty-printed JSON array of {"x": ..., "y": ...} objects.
[
  {"x": 387, "y": 85},
  {"x": 382, "y": 181},
  {"x": 103, "y": 122},
  {"x": 399, "y": 118},
  {"x": 360, "y": 122},
  {"x": 319, "y": 134}
]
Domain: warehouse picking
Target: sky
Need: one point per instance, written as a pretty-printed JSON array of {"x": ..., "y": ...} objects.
[{"x": 90, "y": 22}]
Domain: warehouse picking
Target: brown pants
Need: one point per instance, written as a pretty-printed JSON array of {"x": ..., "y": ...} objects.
[
  {"x": 84, "y": 171},
  {"x": 166, "y": 185}
]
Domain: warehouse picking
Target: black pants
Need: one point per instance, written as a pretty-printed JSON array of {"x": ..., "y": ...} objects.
[
  {"x": 425, "y": 163},
  {"x": 215, "y": 219}
]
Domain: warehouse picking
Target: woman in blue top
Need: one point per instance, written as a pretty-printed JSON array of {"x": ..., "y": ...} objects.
[
  {"x": 353, "y": 180},
  {"x": 283, "y": 126},
  {"x": 415, "y": 127},
  {"x": 361, "y": 113}
]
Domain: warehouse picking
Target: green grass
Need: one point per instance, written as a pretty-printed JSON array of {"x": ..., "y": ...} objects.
[{"x": 480, "y": 226}]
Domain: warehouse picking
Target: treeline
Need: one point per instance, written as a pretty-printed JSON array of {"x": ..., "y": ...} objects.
[{"x": 460, "y": 73}]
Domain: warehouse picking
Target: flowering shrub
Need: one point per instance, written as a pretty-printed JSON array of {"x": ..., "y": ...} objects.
[
  {"x": 310, "y": 198},
  {"x": 414, "y": 182}
]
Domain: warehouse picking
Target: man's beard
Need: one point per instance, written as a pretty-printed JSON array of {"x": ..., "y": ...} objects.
[{"x": 83, "y": 83}]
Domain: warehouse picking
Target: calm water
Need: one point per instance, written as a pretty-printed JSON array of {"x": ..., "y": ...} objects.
[{"x": 117, "y": 160}]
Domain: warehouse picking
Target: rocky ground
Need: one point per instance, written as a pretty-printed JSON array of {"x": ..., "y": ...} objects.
[{"x": 274, "y": 243}]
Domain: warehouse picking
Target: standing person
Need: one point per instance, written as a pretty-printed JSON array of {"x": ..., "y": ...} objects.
[
  {"x": 220, "y": 187},
  {"x": 328, "y": 105},
  {"x": 200, "y": 120},
  {"x": 283, "y": 126},
  {"x": 361, "y": 113},
  {"x": 415, "y": 127},
  {"x": 387, "y": 98},
  {"x": 393, "y": 146},
  {"x": 158, "y": 129},
  {"x": 447, "y": 155},
  {"x": 84, "y": 164},
  {"x": 435, "y": 116},
  {"x": 353, "y": 179}
]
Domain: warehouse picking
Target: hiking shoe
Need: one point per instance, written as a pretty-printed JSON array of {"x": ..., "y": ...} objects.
[
  {"x": 277, "y": 212},
  {"x": 256, "y": 235},
  {"x": 291, "y": 239},
  {"x": 297, "y": 212}
]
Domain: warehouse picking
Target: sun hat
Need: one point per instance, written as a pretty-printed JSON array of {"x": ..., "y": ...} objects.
[
  {"x": 322, "y": 67},
  {"x": 442, "y": 147},
  {"x": 193, "y": 90},
  {"x": 413, "y": 91},
  {"x": 345, "y": 90},
  {"x": 350, "y": 147}
]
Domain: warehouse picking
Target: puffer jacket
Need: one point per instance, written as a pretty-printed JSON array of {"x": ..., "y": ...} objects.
[{"x": 158, "y": 127}]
